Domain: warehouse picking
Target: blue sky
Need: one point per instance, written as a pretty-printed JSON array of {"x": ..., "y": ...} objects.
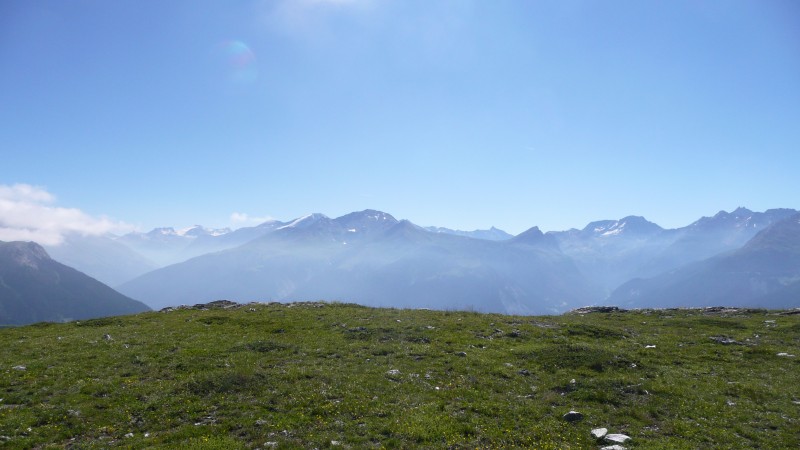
[{"x": 464, "y": 114}]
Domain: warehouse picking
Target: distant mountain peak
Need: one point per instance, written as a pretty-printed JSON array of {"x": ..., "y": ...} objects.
[
  {"x": 534, "y": 236},
  {"x": 637, "y": 225},
  {"x": 305, "y": 221},
  {"x": 162, "y": 231},
  {"x": 199, "y": 230},
  {"x": 28, "y": 254},
  {"x": 367, "y": 214},
  {"x": 492, "y": 234}
]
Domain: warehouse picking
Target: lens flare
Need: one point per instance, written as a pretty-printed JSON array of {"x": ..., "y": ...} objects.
[{"x": 238, "y": 61}]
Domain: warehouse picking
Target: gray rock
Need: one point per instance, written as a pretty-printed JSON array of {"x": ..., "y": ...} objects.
[
  {"x": 725, "y": 340},
  {"x": 616, "y": 438},
  {"x": 598, "y": 433},
  {"x": 108, "y": 337},
  {"x": 614, "y": 447},
  {"x": 573, "y": 416},
  {"x": 461, "y": 354},
  {"x": 20, "y": 367}
]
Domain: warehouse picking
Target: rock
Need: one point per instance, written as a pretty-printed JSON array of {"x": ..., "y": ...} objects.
[
  {"x": 524, "y": 372},
  {"x": 613, "y": 447},
  {"x": 261, "y": 422},
  {"x": 616, "y": 438},
  {"x": 108, "y": 337},
  {"x": 20, "y": 367},
  {"x": 129, "y": 435},
  {"x": 786, "y": 355},
  {"x": 725, "y": 340},
  {"x": 573, "y": 416},
  {"x": 461, "y": 354},
  {"x": 598, "y": 433},
  {"x": 649, "y": 346},
  {"x": 596, "y": 309}
]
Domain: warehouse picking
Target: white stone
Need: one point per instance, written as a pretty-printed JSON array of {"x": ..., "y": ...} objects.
[
  {"x": 617, "y": 438},
  {"x": 598, "y": 433}
]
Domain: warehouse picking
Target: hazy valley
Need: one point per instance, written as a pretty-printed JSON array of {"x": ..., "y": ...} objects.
[{"x": 738, "y": 258}]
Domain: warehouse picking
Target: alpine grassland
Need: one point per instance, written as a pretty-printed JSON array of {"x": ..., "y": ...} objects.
[{"x": 332, "y": 375}]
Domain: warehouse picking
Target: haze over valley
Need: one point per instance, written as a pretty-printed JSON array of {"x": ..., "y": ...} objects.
[{"x": 738, "y": 258}]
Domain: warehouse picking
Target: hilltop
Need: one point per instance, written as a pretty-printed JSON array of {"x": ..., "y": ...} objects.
[{"x": 337, "y": 375}]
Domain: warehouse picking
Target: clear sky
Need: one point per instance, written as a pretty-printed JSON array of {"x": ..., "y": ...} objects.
[{"x": 461, "y": 113}]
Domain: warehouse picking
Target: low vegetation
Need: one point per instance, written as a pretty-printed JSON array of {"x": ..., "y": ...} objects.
[{"x": 337, "y": 375}]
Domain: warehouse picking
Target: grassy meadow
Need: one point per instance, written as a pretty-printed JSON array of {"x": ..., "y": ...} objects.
[{"x": 329, "y": 375}]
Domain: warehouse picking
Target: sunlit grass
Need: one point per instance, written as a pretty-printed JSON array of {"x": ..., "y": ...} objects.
[{"x": 335, "y": 375}]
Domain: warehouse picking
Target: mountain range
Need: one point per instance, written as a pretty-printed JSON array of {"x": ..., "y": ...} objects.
[
  {"x": 372, "y": 258},
  {"x": 35, "y": 288},
  {"x": 765, "y": 272}
]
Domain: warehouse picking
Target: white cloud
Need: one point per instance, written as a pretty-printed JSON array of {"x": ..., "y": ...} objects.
[
  {"x": 28, "y": 213},
  {"x": 244, "y": 219}
]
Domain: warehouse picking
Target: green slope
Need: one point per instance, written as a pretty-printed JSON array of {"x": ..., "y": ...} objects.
[{"x": 334, "y": 375}]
